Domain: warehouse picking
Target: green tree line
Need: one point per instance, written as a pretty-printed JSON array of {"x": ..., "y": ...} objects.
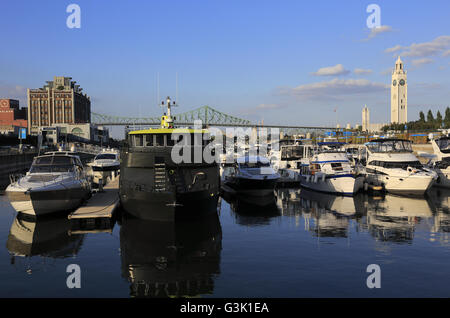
[{"x": 428, "y": 122}]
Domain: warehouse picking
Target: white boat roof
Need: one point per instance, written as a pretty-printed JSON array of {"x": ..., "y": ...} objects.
[{"x": 56, "y": 153}]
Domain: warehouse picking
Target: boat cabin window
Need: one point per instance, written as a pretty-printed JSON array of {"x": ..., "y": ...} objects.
[
  {"x": 390, "y": 146},
  {"x": 106, "y": 156},
  {"x": 44, "y": 160},
  {"x": 292, "y": 152},
  {"x": 444, "y": 145},
  {"x": 392, "y": 165},
  {"x": 165, "y": 140},
  {"x": 169, "y": 141},
  {"x": 138, "y": 140},
  {"x": 159, "y": 140},
  {"x": 149, "y": 140},
  {"x": 336, "y": 166}
]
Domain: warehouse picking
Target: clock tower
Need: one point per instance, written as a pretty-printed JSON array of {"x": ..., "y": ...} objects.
[{"x": 399, "y": 94}]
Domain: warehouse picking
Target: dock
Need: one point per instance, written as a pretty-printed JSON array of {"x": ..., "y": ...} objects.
[{"x": 97, "y": 213}]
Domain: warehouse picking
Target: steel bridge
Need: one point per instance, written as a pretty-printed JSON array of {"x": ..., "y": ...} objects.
[{"x": 207, "y": 115}]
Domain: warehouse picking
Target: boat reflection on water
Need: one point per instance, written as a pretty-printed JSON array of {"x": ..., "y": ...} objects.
[
  {"x": 47, "y": 237},
  {"x": 288, "y": 201},
  {"x": 249, "y": 210},
  {"x": 328, "y": 215},
  {"x": 441, "y": 200},
  {"x": 395, "y": 218},
  {"x": 170, "y": 259},
  {"x": 388, "y": 217}
]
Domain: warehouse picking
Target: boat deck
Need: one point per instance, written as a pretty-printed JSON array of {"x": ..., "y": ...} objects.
[{"x": 101, "y": 205}]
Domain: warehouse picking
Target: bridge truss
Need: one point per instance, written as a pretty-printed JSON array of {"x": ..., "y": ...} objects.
[{"x": 207, "y": 115}]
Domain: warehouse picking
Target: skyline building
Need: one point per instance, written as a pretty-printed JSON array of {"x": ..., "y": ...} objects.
[
  {"x": 365, "y": 118},
  {"x": 399, "y": 94},
  {"x": 60, "y": 101}
]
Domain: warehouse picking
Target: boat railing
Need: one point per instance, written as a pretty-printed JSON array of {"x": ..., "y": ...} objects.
[{"x": 14, "y": 177}]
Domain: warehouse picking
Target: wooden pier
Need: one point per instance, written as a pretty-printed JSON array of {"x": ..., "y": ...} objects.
[{"x": 98, "y": 211}]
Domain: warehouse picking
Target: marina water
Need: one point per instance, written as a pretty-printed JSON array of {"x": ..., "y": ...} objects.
[{"x": 305, "y": 244}]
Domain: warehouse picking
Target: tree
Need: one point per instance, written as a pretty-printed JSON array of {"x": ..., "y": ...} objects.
[
  {"x": 422, "y": 117},
  {"x": 438, "y": 118},
  {"x": 447, "y": 117},
  {"x": 430, "y": 117}
]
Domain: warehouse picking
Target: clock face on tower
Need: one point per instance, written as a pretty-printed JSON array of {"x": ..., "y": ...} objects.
[
  {"x": 394, "y": 82},
  {"x": 402, "y": 82}
]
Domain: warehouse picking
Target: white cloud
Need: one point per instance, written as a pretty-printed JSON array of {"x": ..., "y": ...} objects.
[
  {"x": 338, "y": 69},
  {"x": 334, "y": 88},
  {"x": 446, "y": 53},
  {"x": 393, "y": 49},
  {"x": 376, "y": 31},
  {"x": 361, "y": 71},
  {"x": 441, "y": 44},
  {"x": 418, "y": 62}
]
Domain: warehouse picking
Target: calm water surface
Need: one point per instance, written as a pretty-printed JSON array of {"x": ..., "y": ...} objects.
[{"x": 302, "y": 244}]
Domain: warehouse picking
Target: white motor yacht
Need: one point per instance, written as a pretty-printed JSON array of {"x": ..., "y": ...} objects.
[
  {"x": 330, "y": 171},
  {"x": 441, "y": 163},
  {"x": 104, "y": 164},
  {"x": 56, "y": 182},
  {"x": 289, "y": 159},
  {"x": 252, "y": 175},
  {"x": 392, "y": 164}
]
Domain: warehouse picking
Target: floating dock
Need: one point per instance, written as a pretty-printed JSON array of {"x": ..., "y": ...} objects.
[{"x": 97, "y": 213}]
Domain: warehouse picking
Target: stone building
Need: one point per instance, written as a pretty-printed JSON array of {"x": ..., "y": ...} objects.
[{"x": 60, "y": 101}]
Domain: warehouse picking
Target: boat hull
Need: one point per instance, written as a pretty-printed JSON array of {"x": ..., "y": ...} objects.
[
  {"x": 38, "y": 203},
  {"x": 168, "y": 206},
  {"x": 340, "y": 184},
  {"x": 252, "y": 187},
  {"x": 406, "y": 185}
]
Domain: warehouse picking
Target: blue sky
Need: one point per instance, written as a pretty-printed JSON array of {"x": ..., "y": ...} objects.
[{"x": 260, "y": 60}]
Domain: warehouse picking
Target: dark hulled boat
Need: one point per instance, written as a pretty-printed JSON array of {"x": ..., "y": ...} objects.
[{"x": 155, "y": 186}]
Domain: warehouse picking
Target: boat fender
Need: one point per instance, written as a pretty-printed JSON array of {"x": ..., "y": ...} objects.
[
  {"x": 307, "y": 178},
  {"x": 323, "y": 178},
  {"x": 315, "y": 178}
]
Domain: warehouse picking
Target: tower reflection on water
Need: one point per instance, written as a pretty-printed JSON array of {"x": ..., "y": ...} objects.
[
  {"x": 166, "y": 259},
  {"x": 388, "y": 218}
]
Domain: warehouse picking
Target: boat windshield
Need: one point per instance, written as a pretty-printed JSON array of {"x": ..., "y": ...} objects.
[
  {"x": 48, "y": 164},
  {"x": 444, "y": 145},
  {"x": 257, "y": 164},
  {"x": 390, "y": 146},
  {"x": 106, "y": 156},
  {"x": 51, "y": 168},
  {"x": 292, "y": 152},
  {"x": 330, "y": 147}
]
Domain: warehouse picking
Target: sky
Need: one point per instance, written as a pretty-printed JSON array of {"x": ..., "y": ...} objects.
[{"x": 281, "y": 62}]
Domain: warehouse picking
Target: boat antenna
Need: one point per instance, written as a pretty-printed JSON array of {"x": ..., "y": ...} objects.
[{"x": 176, "y": 87}]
